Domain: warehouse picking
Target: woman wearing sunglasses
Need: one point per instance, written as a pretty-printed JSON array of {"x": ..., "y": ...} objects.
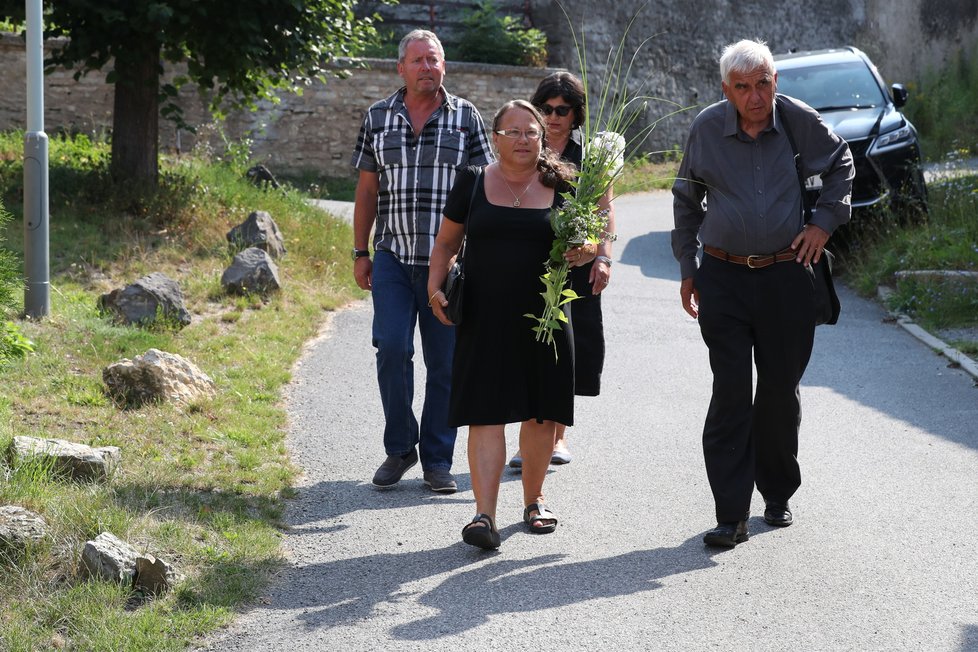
[{"x": 560, "y": 99}]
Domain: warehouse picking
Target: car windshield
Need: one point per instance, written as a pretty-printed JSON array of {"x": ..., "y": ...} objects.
[{"x": 834, "y": 86}]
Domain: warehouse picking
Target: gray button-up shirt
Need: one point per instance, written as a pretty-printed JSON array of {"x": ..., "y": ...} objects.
[{"x": 742, "y": 194}]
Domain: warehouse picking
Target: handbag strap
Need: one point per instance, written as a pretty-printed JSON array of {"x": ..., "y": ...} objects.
[
  {"x": 475, "y": 186},
  {"x": 783, "y": 121}
]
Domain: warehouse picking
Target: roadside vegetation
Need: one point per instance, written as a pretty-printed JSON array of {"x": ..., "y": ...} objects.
[
  {"x": 944, "y": 239},
  {"x": 942, "y": 107},
  {"x": 485, "y": 33},
  {"x": 202, "y": 487}
]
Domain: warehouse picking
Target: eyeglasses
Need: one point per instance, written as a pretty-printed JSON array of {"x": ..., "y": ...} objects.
[
  {"x": 529, "y": 134},
  {"x": 561, "y": 110}
]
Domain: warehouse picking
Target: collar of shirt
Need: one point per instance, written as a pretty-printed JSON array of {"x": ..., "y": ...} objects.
[
  {"x": 731, "y": 122},
  {"x": 396, "y": 101}
]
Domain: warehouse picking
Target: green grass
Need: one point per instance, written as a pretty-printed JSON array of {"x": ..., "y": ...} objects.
[
  {"x": 201, "y": 486},
  {"x": 644, "y": 173},
  {"x": 947, "y": 239},
  {"x": 317, "y": 186}
]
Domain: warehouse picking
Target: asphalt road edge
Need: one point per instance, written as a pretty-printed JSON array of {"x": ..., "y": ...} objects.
[{"x": 958, "y": 358}]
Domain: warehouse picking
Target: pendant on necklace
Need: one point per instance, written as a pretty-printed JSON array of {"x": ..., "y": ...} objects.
[{"x": 516, "y": 203}]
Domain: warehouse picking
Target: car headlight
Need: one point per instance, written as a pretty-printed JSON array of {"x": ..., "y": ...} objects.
[{"x": 894, "y": 137}]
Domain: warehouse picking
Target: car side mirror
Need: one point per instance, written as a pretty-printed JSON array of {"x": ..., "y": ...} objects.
[{"x": 899, "y": 94}]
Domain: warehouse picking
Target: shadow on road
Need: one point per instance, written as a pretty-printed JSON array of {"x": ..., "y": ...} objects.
[
  {"x": 468, "y": 598},
  {"x": 652, "y": 254}
]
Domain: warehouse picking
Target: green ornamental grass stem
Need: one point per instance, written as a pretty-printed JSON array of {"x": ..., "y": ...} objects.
[{"x": 614, "y": 111}]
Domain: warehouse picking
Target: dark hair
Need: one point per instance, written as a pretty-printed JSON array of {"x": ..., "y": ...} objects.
[
  {"x": 565, "y": 85},
  {"x": 554, "y": 173}
]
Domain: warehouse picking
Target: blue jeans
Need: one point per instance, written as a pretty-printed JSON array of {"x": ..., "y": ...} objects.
[{"x": 400, "y": 297}]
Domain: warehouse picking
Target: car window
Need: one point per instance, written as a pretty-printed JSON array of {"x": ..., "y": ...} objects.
[{"x": 832, "y": 86}]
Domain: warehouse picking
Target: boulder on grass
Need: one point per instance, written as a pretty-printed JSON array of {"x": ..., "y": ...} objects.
[
  {"x": 20, "y": 527},
  {"x": 253, "y": 270},
  {"x": 156, "y": 376},
  {"x": 66, "y": 458},
  {"x": 153, "y": 299},
  {"x": 109, "y": 558},
  {"x": 259, "y": 231}
]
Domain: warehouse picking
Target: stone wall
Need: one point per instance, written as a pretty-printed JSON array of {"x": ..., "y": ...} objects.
[
  {"x": 905, "y": 38},
  {"x": 317, "y": 131}
]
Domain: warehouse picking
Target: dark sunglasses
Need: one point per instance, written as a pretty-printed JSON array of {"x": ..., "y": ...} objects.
[{"x": 561, "y": 110}]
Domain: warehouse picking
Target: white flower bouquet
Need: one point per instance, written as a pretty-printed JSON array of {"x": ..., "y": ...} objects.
[{"x": 580, "y": 219}]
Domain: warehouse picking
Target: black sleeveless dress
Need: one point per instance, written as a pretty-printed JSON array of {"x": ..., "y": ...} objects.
[{"x": 500, "y": 373}]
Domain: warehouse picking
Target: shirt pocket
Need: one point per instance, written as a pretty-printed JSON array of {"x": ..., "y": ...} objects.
[
  {"x": 391, "y": 149},
  {"x": 447, "y": 148}
]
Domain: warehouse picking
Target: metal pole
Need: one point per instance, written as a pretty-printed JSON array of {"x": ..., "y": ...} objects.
[{"x": 37, "y": 293}]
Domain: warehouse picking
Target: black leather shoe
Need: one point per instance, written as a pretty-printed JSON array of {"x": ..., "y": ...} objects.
[
  {"x": 777, "y": 514},
  {"x": 727, "y": 535},
  {"x": 393, "y": 469}
]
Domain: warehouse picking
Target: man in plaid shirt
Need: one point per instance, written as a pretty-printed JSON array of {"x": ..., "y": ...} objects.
[{"x": 409, "y": 149}]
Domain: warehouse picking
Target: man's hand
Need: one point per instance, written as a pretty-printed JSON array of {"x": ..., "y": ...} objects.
[
  {"x": 363, "y": 269},
  {"x": 809, "y": 244},
  {"x": 690, "y": 297}
]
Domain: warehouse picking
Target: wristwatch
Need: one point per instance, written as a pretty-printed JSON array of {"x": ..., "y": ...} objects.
[
  {"x": 603, "y": 259},
  {"x": 360, "y": 253}
]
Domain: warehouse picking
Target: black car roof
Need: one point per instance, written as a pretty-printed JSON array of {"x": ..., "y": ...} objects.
[{"x": 817, "y": 57}]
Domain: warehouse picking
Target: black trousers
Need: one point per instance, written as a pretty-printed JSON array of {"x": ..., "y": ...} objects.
[
  {"x": 765, "y": 317},
  {"x": 588, "y": 334}
]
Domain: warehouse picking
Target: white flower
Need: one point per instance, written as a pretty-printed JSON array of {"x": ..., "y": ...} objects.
[{"x": 607, "y": 151}]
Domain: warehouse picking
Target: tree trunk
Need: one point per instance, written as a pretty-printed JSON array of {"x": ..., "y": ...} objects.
[{"x": 135, "y": 117}]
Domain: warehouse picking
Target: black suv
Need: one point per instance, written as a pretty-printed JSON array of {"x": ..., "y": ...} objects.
[{"x": 844, "y": 86}]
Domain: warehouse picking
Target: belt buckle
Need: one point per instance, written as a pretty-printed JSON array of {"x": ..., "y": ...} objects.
[{"x": 751, "y": 259}]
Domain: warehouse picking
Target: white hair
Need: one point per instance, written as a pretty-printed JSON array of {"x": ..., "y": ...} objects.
[{"x": 745, "y": 57}]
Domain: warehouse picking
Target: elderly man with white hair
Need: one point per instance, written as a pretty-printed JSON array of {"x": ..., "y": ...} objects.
[{"x": 738, "y": 196}]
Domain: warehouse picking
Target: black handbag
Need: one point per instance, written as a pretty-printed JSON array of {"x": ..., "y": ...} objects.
[
  {"x": 827, "y": 306},
  {"x": 454, "y": 285}
]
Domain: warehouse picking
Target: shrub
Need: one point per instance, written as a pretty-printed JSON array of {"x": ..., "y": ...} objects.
[
  {"x": 12, "y": 343},
  {"x": 488, "y": 36}
]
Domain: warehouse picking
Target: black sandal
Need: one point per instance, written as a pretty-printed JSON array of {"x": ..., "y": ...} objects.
[
  {"x": 536, "y": 523},
  {"x": 481, "y": 532}
]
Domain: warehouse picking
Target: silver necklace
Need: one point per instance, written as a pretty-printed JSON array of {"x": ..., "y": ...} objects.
[{"x": 516, "y": 198}]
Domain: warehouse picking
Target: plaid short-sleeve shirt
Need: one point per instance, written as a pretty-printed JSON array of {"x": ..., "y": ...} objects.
[{"x": 417, "y": 172}]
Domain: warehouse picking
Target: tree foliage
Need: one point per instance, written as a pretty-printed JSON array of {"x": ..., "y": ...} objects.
[{"x": 237, "y": 51}]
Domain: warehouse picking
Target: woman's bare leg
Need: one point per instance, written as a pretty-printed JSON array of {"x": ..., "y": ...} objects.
[
  {"x": 487, "y": 456},
  {"x": 537, "y": 445}
]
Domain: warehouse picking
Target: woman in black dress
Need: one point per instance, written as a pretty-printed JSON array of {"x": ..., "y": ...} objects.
[
  {"x": 560, "y": 98},
  {"x": 501, "y": 374}
]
